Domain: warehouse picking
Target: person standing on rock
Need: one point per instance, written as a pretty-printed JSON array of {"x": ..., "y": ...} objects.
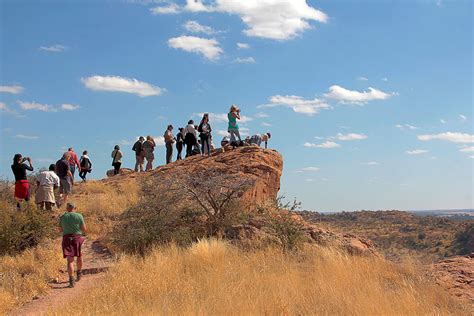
[
  {"x": 73, "y": 163},
  {"x": 46, "y": 182},
  {"x": 73, "y": 228},
  {"x": 86, "y": 165},
  {"x": 179, "y": 142},
  {"x": 204, "y": 130},
  {"x": 139, "y": 154},
  {"x": 190, "y": 138},
  {"x": 65, "y": 177},
  {"x": 148, "y": 148},
  {"x": 22, "y": 186},
  {"x": 233, "y": 128},
  {"x": 169, "y": 141},
  {"x": 116, "y": 159}
]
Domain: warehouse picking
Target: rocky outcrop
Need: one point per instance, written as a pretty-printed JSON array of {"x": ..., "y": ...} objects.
[
  {"x": 110, "y": 173},
  {"x": 457, "y": 275}
]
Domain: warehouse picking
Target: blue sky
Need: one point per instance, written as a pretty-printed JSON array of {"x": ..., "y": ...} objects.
[{"x": 369, "y": 102}]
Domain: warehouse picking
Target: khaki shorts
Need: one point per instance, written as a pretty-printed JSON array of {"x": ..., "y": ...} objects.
[{"x": 65, "y": 186}]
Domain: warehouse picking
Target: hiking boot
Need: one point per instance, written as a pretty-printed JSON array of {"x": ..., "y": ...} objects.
[
  {"x": 72, "y": 282},
  {"x": 79, "y": 274}
]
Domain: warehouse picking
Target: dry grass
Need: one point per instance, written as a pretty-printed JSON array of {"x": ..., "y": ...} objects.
[
  {"x": 26, "y": 275},
  {"x": 212, "y": 277}
]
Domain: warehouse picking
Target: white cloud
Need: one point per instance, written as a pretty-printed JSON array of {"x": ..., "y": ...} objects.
[
  {"x": 69, "y": 107},
  {"x": 15, "y": 89},
  {"x": 363, "y": 78},
  {"x": 371, "y": 163},
  {"x": 121, "y": 84},
  {"x": 246, "y": 60},
  {"x": 222, "y": 133},
  {"x": 442, "y": 121},
  {"x": 350, "y": 136},
  {"x": 54, "y": 48},
  {"x": 327, "y": 144},
  {"x": 195, "y": 27},
  {"x": 172, "y": 8},
  {"x": 467, "y": 149},
  {"x": 159, "y": 141},
  {"x": 355, "y": 97},
  {"x": 222, "y": 117},
  {"x": 297, "y": 104},
  {"x": 417, "y": 151},
  {"x": 27, "y": 106},
  {"x": 6, "y": 109},
  {"x": 449, "y": 136},
  {"x": 406, "y": 126},
  {"x": 273, "y": 19},
  {"x": 209, "y": 48},
  {"x": 29, "y": 137},
  {"x": 243, "y": 46},
  {"x": 385, "y": 79},
  {"x": 261, "y": 115},
  {"x": 462, "y": 117},
  {"x": 310, "y": 169},
  {"x": 266, "y": 124}
]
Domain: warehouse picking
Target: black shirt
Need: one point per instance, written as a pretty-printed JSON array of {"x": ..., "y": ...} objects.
[
  {"x": 19, "y": 170},
  {"x": 62, "y": 167}
]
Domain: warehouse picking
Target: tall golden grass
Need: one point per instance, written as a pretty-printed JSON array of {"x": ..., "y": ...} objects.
[
  {"x": 26, "y": 275},
  {"x": 212, "y": 277}
]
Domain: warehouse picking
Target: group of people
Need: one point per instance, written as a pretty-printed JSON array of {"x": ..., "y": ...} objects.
[{"x": 59, "y": 175}]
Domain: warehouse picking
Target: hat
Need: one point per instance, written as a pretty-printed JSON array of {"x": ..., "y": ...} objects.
[
  {"x": 269, "y": 135},
  {"x": 71, "y": 205}
]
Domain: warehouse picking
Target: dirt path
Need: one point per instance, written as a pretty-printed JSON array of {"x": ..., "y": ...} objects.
[{"x": 97, "y": 260}]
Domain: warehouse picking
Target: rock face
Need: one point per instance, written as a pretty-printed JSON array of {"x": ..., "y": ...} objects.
[
  {"x": 457, "y": 275},
  {"x": 110, "y": 173}
]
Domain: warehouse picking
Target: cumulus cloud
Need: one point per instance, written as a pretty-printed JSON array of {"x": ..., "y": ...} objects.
[
  {"x": 209, "y": 48},
  {"x": 327, "y": 144},
  {"x": 171, "y": 8},
  {"x": 467, "y": 149},
  {"x": 243, "y": 46},
  {"x": 14, "y": 89},
  {"x": 246, "y": 60},
  {"x": 121, "y": 84},
  {"x": 355, "y": 97},
  {"x": 69, "y": 107},
  {"x": 449, "y": 136},
  {"x": 350, "y": 136},
  {"x": 297, "y": 104},
  {"x": 29, "y": 137},
  {"x": 272, "y": 19},
  {"x": 416, "y": 151},
  {"x": 34, "y": 106},
  {"x": 195, "y": 27},
  {"x": 406, "y": 126},
  {"x": 54, "y": 48}
]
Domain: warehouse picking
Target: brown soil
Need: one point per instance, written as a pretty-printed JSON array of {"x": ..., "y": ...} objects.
[{"x": 97, "y": 260}]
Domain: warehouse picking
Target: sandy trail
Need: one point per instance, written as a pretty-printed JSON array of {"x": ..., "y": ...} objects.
[{"x": 97, "y": 260}]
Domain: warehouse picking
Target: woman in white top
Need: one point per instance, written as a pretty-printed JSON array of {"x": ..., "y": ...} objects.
[{"x": 190, "y": 138}]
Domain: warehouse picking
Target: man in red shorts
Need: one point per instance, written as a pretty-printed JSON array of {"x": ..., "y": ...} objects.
[{"x": 73, "y": 228}]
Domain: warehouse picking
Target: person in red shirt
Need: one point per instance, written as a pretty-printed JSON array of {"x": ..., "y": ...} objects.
[{"x": 73, "y": 162}]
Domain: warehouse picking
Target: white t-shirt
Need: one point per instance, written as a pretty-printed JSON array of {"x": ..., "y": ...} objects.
[
  {"x": 190, "y": 129},
  {"x": 48, "y": 179}
]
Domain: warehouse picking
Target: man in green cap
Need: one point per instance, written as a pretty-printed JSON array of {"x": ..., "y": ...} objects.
[{"x": 73, "y": 228}]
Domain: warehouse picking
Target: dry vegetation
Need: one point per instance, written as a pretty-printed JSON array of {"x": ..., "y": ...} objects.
[
  {"x": 212, "y": 277},
  {"x": 401, "y": 234}
]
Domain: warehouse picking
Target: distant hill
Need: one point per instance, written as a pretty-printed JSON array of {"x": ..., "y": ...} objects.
[{"x": 398, "y": 234}]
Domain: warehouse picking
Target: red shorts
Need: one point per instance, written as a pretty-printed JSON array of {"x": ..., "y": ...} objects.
[
  {"x": 72, "y": 244},
  {"x": 22, "y": 190}
]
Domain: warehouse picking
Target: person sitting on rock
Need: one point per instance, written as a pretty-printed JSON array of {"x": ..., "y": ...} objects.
[
  {"x": 190, "y": 138},
  {"x": 180, "y": 142},
  {"x": 169, "y": 140},
  {"x": 22, "y": 187},
  {"x": 46, "y": 182},
  {"x": 86, "y": 165},
  {"x": 116, "y": 159},
  {"x": 259, "y": 138},
  {"x": 73, "y": 228},
  {"x": 148, "y": 148}
]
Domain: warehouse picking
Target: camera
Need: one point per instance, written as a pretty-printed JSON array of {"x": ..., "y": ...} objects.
[{"x": 25, "y": 159}]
